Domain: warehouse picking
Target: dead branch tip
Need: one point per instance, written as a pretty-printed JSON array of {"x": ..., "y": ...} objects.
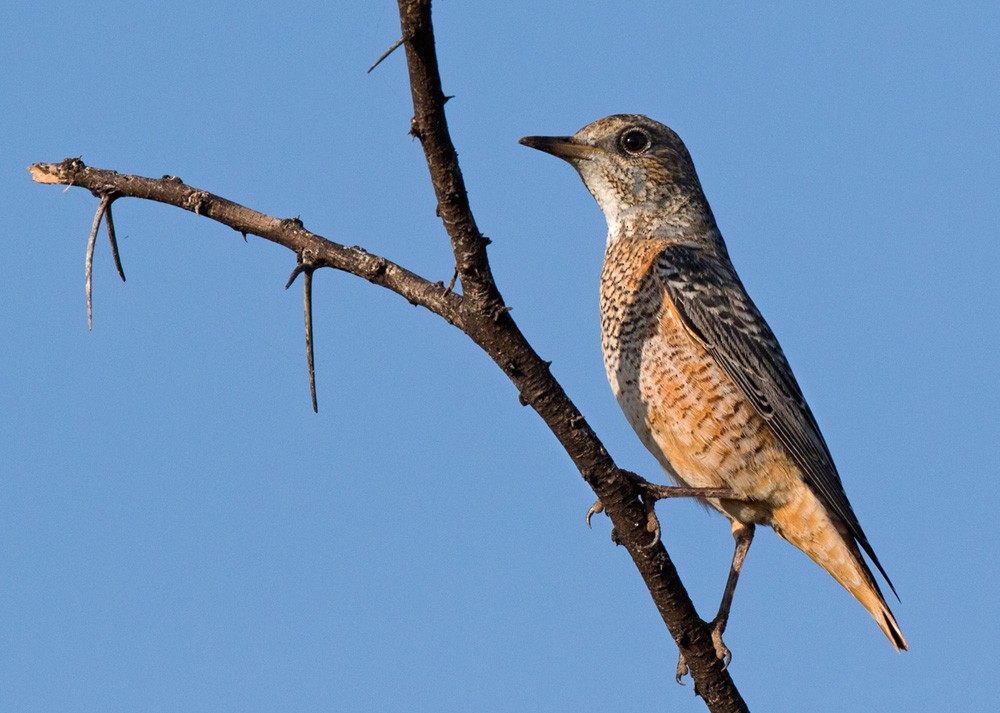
[{"x": 56, "y": 173}]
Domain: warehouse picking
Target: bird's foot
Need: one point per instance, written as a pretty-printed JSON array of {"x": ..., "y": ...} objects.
[
  {"x": 652, "y": 523},
  {"x": 682, "y": 669},
  {"x": 722, "y": 651},
  {"x": 596, "y": 509},
  {"x": 649, "y": 493}
]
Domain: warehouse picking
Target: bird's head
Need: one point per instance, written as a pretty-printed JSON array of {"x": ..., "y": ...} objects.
[{"x": 637, "y": 169}]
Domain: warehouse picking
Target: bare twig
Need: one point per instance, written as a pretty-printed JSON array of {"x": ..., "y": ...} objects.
[
  {"x": 430, "y": 125},
  {"x": 288, "y": 233}
]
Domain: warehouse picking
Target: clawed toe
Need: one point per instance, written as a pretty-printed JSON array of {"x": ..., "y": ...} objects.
[
  {"x": 682, "y": 669},
  {"x": 721, "y": 650},
  {"x": 649, "y": 493},
  {"x": 595, "y": 509},
  {"x": 652, "y": 522}
]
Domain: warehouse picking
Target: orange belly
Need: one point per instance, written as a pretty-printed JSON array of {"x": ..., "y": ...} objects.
[{"x": 686, "y": 410}]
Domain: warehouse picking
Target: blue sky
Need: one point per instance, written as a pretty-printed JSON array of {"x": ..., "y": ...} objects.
[{"x": 178, "y": 530}]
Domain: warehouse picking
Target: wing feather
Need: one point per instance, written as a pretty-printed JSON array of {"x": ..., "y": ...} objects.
[{"x": 715, "y": 307}]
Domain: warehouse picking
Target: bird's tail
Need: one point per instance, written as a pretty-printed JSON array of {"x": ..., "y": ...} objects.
[{"x": 806, "y": 524}]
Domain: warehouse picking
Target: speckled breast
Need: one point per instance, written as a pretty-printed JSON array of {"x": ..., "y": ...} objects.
[{"x": 681, "y": 403}]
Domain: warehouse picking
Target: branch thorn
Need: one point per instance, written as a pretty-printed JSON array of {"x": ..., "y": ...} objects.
[
  {"x": 392, "y": 48},
  {"x": 109, "y": 223},
  {"x": 299, "y": 269},
  {"x": 88, "y": 265},
  {"x": 305, "y": 267},
  {"x": 307, "y": 301}
]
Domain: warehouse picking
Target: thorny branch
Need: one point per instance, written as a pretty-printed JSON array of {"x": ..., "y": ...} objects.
[
  {"x": 479, "y": 311},
  {"x": 313, "y": 251}
]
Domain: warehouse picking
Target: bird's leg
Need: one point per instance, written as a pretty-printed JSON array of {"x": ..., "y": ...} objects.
[
  {"x": 651, "y": 492},
  {"x": 743, "y": 534}
]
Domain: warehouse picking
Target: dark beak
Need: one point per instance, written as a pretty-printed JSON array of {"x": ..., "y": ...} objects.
[{"x": 565, "y": 147}]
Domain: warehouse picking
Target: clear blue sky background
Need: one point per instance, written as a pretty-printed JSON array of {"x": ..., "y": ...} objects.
[{"x": 178, "y": 530}]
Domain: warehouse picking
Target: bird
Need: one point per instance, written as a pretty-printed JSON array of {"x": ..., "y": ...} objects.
[{"x": 696, "y": 369}]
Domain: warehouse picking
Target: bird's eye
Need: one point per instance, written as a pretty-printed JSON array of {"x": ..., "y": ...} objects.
[{"x": 635, "y": 141}]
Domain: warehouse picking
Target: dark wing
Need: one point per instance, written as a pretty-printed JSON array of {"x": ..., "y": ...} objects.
[{"x": 715, "y": 307}]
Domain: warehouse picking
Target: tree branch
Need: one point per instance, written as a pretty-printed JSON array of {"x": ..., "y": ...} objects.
[
  {"x": 313, "y": 250},
  {"x": 479, "y": 311},
  {"x": 430, "y": 125}
]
